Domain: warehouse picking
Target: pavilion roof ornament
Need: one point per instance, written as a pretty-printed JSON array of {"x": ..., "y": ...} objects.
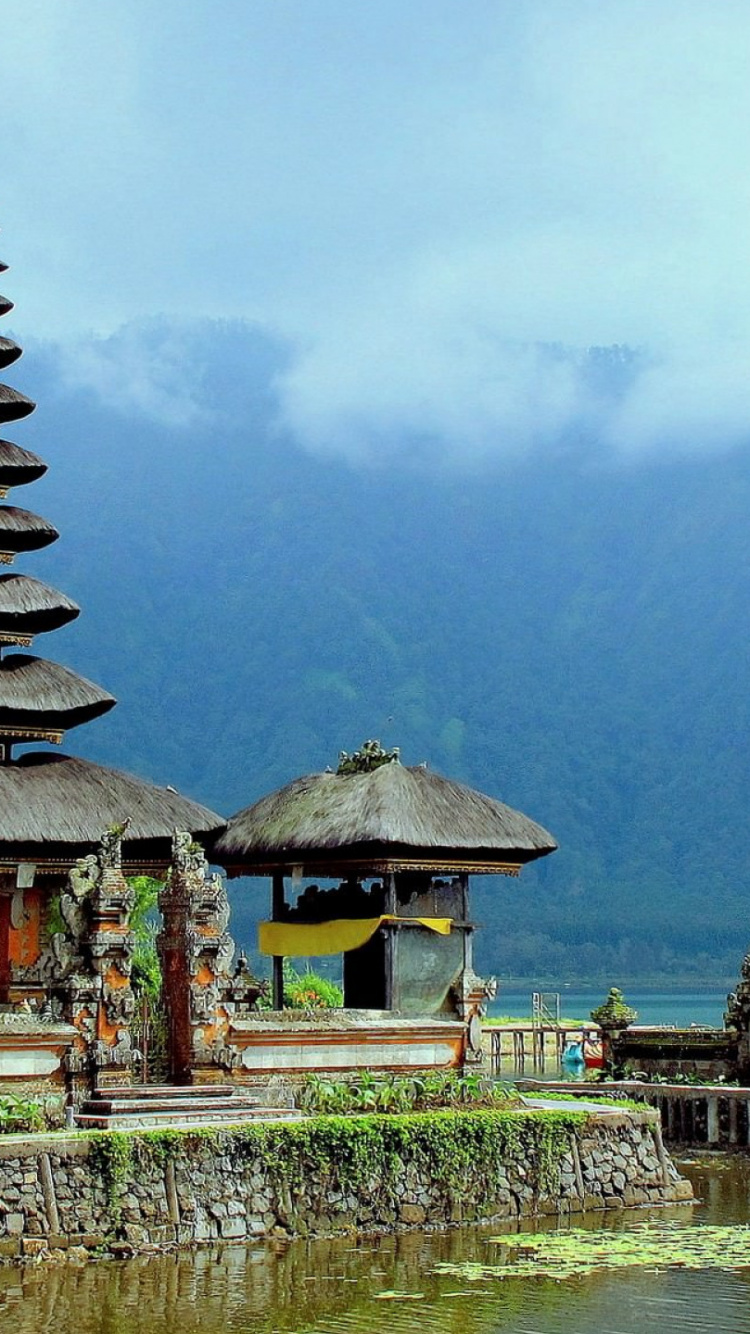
[{"x": 370, "y": 755}]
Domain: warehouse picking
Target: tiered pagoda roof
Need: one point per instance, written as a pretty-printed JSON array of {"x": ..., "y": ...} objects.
[{"x": 54, "y": 808}]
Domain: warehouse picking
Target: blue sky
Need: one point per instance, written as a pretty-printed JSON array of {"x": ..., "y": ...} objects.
[{"x": 414, "y": 196}]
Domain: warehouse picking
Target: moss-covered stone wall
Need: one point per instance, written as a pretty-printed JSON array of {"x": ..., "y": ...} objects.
[{"x": 326, "y": 1174}]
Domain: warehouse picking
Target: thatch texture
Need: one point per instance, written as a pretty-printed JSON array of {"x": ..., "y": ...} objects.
[
  {"x": 19, "y": 466},
  {"x": 13, "y": 405},
  {"x": 37, "y": 693},
  {"x": 56, "y": 807},
  {"x": 9, "y": 352},
  {"x": 20, "y": 530},
  {"x": 394, "y": 811},
  {"x": 27, "y": 606},
  {"x": 6, "y": 305}
]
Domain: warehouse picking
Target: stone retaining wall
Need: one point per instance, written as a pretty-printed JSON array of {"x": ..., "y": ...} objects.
[{"x": 325, "y": 1175}]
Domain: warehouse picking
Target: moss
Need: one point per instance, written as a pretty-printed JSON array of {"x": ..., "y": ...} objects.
[
  {"x": 354, "y": 1152},
  {"x": 112, "y": 1154}
]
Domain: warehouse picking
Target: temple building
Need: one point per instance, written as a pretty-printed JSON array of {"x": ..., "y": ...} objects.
[
  {"x": 54, "y": 809},
  {"x": 400, "y": 844}
]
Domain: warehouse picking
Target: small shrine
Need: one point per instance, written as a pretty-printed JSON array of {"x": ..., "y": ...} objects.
[{"x": 400, "y": 844}]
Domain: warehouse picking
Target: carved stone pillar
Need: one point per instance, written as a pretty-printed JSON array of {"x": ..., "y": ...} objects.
[
  {"x": 737, "y": 1017},
  {"x": 196, "y": 953},
  {"x": 470, "y": 996},
  {"x": 87, "y": 966}
]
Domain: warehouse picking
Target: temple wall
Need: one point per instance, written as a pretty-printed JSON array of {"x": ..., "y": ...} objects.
[
  {"x": 709, "y": 1054},
  {"x": 320, "y": 1176},
  {"x": 32, "y": 1061},
  {"x": 342, "y": 1041}
]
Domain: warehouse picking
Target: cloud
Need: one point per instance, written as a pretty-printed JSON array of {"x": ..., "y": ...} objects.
[
  {"x": 427, "y": 206},
  {"x": 171, "y": 372}
]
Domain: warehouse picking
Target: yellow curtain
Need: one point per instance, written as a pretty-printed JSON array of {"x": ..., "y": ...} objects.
[{"x": 297, "y": 941}]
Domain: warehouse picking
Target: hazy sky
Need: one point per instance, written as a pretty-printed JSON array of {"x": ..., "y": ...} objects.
[{"x": 415, "y": 193}]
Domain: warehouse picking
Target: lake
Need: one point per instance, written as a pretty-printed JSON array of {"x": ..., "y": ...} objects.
[
  {"x": 367, "y": 1285},
  {"x": 682, "y": 1008}
]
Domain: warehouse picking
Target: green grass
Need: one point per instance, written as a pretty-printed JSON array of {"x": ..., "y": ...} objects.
[{"x": 512, "y": 1021}]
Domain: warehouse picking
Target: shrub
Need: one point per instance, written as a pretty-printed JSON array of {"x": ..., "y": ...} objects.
[{"x": 401, "y": 1093}]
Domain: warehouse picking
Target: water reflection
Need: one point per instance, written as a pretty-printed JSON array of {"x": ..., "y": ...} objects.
[{"x": 336, "y": 1287}]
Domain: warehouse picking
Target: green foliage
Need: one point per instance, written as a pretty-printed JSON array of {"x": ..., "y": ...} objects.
[
  {"x": 113, "y": 1154},
  {"x": 392, "y": 1093},
  {"x": 146, "y": 973},
  {"x": 306, "y": 991},
  {"x": 687, "y": 1079},
  {"x": 513, "y": 1021},
  {"x": 614, "y": 1013},
  {"x": 365, "y": 1153},
  {"x": 145, "y": 976},
  {"x": 143, "y": 912},
  {"x": 53, "y": 920},
  {"x": 20, "y": 1114}
]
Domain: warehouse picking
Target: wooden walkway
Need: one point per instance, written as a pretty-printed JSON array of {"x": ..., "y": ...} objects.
[
  {"x": 534, "y": 1044},
  {"x": 714, "y": 1115}
]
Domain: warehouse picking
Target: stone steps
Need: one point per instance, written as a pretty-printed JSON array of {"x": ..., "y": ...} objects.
[
  {"x": 141, "y": 1107},
  {"x": 138, "y": 1106},
  {"x": 167, "y": 1090}
]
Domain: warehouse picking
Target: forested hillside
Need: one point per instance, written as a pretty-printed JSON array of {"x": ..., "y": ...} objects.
[{"x": 568, "y": 633}]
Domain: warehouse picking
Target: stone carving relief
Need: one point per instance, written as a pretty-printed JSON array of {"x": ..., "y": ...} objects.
[
  {"x": 470, "y": 996},
  {"x": 86, "y": 967}
]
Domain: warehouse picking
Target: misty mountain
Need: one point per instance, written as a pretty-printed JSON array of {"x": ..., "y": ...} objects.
[{"x": 566, "y": 632}]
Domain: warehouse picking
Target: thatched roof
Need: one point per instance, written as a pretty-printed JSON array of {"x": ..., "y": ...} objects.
[
  {"x": 35, "y": 693},
  {"x": 27, "y": 606},
  {"x": 20, "y": 530},
  {"x": 392, "y": 814},
  {"x": 56, "y": 808},
  {"x": 19, "y": 466},
  {"x": 13, "y": 405},
  {"x": 6, "y": 305},
  {"x": 9, "y": 352}
]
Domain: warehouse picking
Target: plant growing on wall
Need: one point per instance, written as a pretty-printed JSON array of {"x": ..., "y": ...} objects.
[{"x": 614, "y": 1014}]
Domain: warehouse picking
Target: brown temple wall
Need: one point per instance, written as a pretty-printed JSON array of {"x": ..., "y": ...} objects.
[{"x": 24, "y": 942}]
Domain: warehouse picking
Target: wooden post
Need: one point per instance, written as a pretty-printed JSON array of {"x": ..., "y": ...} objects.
[
  {"x": 712, "y": 1120},
  {"x": 468, "y": 935},
  {"x": 277, "y": 912},
  {"x": 389, "y": 953},
  {"x": 733, "y": 1136}
]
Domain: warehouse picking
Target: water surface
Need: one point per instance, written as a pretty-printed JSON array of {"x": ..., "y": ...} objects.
[
  {"x": 681, "y": 1008},
  {"x": 336, "y": 1287}
]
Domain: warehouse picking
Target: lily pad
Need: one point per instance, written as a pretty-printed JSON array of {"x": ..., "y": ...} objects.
[{"x": 577, "y": 1252}]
